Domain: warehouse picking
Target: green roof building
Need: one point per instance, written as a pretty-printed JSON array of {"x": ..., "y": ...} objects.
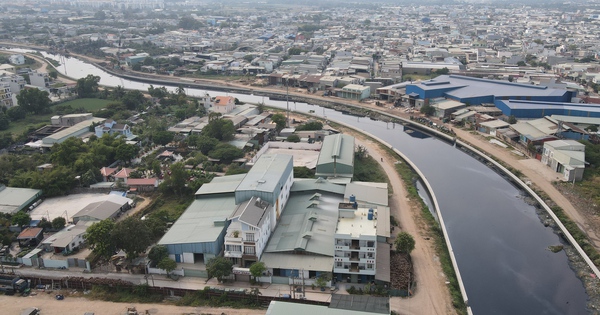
[{"x": 337, "y": 157}]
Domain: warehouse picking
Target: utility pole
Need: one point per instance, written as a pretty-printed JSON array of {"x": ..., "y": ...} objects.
[{"x": 287, "y": 100}]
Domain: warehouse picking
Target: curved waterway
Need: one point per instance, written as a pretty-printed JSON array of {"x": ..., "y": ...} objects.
[{"x": 499, "y": 242}]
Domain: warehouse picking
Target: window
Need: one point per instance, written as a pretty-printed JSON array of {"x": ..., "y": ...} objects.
[
  {"x": 338, "y": 264},
  {"x": 249, "y": 250},
  {"x": 250, "y": 237},
  {"x": 369, "y": 266}
]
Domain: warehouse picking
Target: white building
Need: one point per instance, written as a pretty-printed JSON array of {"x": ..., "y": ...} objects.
[
  {"x": 566, "y": 157},
  {"x": 39, "y": 79},
  {"x": 355, "y": 242},
  {"x": 223, "y": 104},
  {"x": 248, "y": 232}
]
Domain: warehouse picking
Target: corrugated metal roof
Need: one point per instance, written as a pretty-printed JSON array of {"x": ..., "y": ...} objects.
[
  {"x": 296, "y": 221},
  {"x": 340, "y": 147},
  {"x": 371, "y": 193},
  {"x": 266, "y": 173},
  {"x": 292, "y": 261},
  {"x": 12, "y": 198},
  {"x": 196, "y": 224},
  {"x": 225, "y": 184}
]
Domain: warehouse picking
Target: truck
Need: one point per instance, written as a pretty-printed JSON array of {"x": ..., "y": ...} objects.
[{"x": 12, "y": 284}]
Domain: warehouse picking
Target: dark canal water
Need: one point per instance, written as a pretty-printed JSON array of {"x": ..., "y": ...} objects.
[{"x": 499, "y": 242}]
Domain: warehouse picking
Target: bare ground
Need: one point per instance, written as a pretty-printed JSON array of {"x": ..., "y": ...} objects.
[{"x": 48, "y": 305}]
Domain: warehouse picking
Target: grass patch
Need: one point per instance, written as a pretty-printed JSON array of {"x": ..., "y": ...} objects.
[
  {"x": 29, "y": 122},
  {"x": 203, "y": 298},
  {"x": 172, "y": 204},
  {"x": 89, "y": 104},
  {"x": 578, "y": 235},
  {"x": 408, "y": 175},
  {"x": 137, "y": 294}
]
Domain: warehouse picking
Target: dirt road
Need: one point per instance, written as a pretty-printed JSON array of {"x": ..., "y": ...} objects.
[
  {"x": 432, "y": 295},
  {"x": 48, "y": 305}
]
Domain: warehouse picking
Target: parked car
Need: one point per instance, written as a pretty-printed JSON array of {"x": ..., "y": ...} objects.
[{"x": 60, "y": 297}]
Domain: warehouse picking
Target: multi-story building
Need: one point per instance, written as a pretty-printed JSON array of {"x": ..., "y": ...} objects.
[
  {"x": 355, "y": 243},
  {"x": 39, "y": 79},
  {"x": 248, "y": 232},
  {"x": 6, "y": 99}
]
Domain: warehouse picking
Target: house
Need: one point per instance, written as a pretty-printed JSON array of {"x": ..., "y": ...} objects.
[
  {"x": 111, "y": 127},
  {"x": 142, "y": 184},
  {"x": 66, "y": 240},
  {"x": 124, "y": 174},
  {"x": 17, "y": 59},
  {"x": 566, "y": 157},
  {"x": 444, "y": 107},
  {"x": 223, "y": 104},
  {"x": 248, "y": 232},
  {"x": 30, "y": 236},
  {"x": 490, "y": 127},
  {"x": 107, "y": 173}
]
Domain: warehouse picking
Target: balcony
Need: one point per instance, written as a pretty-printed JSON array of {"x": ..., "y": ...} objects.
[
  {"x": 354, "y": 257},
  {"x": 232, "y": 254},
  {"x": 232, "y": 239}
]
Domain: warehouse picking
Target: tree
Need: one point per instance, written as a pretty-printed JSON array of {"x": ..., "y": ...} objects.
[
  {"x": 88, "y": 86},
  {"x": 132, "y": 236},
  {"x": 512, "y": 119},
  {"x": 16, "y": 113},
  {"x": 58, "y": 223},
  {"x": 219, "y": 267},
  {"x": 177, "y": 180},
  {"x": 53, "y": 74},
  {"x": 34, "y": 100},
  {"x": 521, "y": 63},
  {"x": 404, "y": 243},
  {"x": 126, "y": 152},
  {"x": 310, "y": 126},
  {"x": 226, "y": 152},
  {"x": 158, "y": 253},
  {"x": 220, "y": 129},
  {"x": 322, "y": 279},
  {"x": 279, "y": 120},
  {"x": 592, "y": 128},
  {"x": 167, "y": 264},
  {"x": 293, "y": 138},
  {"x": 257, "y": 269},
  {"x": 427, "y": 110},
  {"x": 303, "y": 172},
  {"x": 98, "y": 237},
  {"x": 162, "y": 137},
  {"x": 4, "y": 122},
  {"x": 21, "y": 219},
  {"x": 442, "y": 71}
]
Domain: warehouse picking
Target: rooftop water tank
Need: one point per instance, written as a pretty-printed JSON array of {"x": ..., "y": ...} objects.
[{"x": 370, "y": 214}]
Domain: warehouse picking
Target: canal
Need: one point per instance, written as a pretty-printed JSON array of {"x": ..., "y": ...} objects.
[{"x": 499, "y": 242}]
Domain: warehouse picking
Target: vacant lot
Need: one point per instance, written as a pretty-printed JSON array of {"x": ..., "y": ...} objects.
[{"x": 89, "y": 104}]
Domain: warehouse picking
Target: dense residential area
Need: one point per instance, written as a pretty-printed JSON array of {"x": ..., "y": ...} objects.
[{"x": 241, "y": 204}]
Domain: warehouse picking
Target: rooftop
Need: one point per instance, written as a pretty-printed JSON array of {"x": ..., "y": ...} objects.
[
  {"x": 266, "y": 172},
  {"x": 359, "y": 225},
  {"x": 12, "y": 198},
  {"x": 202, "y": 221}
]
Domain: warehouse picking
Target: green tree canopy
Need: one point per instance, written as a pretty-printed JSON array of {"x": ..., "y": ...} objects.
[
  {"x": 279, "y": 120},
  {"x": 58, "y": 223},
  {"x": 132, "y": 236},
  {"x": 220, "y": 129},
  {"x": 98, "y": 237},
  {"x": 162, "y": 137},
  {"x": 311, "y": 125},
  {"x": 88, "y": 86},
  {"x": 226, "y": 153},
  {"x": 158, "y": 253},
  {"x": 427, "y": 110},
  {"x": 404, "y": 243},
  {"x": 126, "y": 152},
  {"x": 293, "y": 138},
  {"x": 21, "y": 219},
  {"x": 167, "y": 264},
  {"x": 219, "y": 267},
  {"x": 34, "y": 100},
  {"x": 175, "y": 182},
  {"x": 4, "y": 121},
  {"x": 257, "y": 269}
]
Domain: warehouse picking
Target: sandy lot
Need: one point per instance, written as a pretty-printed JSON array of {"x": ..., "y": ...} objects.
[{"x": 48, "y": 305}]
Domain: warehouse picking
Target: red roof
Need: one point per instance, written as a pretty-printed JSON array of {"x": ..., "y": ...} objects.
[
  {"x": 223, "y": 100},
  {"x": 124, "y": 173},
  {"x": 30, "y": 232},
  {"x": 107, "y": 171},
  {"x": 142, "y": 181}
]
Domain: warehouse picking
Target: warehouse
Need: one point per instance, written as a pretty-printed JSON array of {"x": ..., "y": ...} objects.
[
  {"x": 475, "y": 91},
  {"x": 337, "y": 157},
  {"x": 537, "y": 109},
  {"x": 13, "y": 199}
]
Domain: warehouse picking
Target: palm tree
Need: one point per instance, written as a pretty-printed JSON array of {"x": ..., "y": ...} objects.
[{"x": 180, "y": 90}]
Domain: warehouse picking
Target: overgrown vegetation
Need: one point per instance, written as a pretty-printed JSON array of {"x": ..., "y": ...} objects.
[
  {"x": 137, "y": 294},
  {"x": 366, "y": 169},
  {"x": 204, "y": 298}
]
